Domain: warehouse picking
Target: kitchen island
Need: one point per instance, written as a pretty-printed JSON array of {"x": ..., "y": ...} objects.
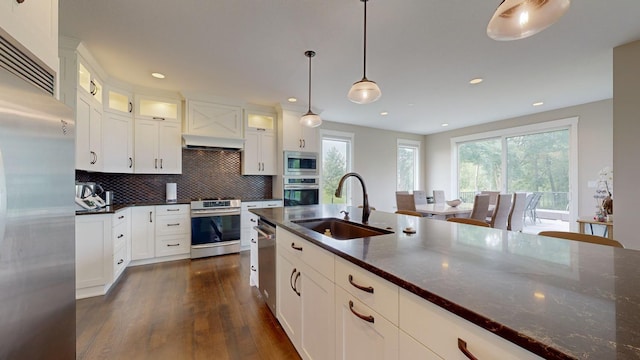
[{"x": 556, "y": 298}]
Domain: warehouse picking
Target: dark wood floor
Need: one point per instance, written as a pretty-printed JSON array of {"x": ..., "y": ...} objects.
[{"x": 200, "y": 309}]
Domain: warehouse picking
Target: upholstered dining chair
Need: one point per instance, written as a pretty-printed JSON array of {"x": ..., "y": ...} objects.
[
  {"x": 501, "y": 211},
  {"x": 405, "y": 202},
  {"x": 493, "y": 200},
  {"x": 593, "y": 239},
  {"x": 468, "y": 221},
  {"x": 419, "y": 197},
  {"x": 438, "y": 196},
  {"x": 516, "y": 215},
  {"x": 480, "y": 207}
]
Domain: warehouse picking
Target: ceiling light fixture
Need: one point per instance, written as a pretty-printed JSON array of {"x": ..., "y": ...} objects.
[
  {"x": 539, "y": 103},
  {"x": 364, "y": 91},
  {"x": 519, "y": 19},
  {"x": 158, "y": 75},
  {"x": 310, "y": 119},
  {"x": 292, "y": 99},
  {"x": 476, "y": 81},
  {"x": 384, "y": 113},
  {"x": 445, "y": 124}
]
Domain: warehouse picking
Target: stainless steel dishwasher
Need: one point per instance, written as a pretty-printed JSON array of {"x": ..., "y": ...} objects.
[{"x": 267, "y": 262}]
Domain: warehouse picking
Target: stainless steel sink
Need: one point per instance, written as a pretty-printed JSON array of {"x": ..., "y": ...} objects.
[{"x": 341, "y": 229}]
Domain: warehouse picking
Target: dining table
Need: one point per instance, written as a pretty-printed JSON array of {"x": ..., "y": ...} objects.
[{"x": 439, "y": 209}]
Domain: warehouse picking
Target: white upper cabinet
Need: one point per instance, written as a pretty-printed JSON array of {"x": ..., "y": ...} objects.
[
  {"x": 118, "y": 100},
  {"x": 212, "y": 120},
  {"x": 117, "y": 130},
  {"x": 34, "y": 24},
  {"x": 89, "y": 154},
  {"x": 296, "y": 137},
  {"x": 158, "y": 147},
  {"x": 259, "y": 155},
  {"x": 156, "y": 108}
]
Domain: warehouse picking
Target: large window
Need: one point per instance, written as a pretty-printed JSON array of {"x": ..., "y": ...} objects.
[
  {"x": 535, "y": 158},
  {"x": 336, "y": 161},
  {"x": 408, "y": 165}
]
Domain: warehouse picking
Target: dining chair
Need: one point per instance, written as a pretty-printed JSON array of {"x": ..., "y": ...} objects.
[
  {"x": 468, "y": 221},
  {"x": 501, "y": 211},
  {"x": 438, "y": 196},
  {"x": 419, "y": 197},
  {"x": 409, "y": 212},
  {"x": 531, "y": 207},
  {"x": 516, "y": 215},
  {"x": 593, "y": 239},
  {"x": 405, "y": 202},
  {"x": 480, "y": 207},
  {"x": 493, "y": 200}
]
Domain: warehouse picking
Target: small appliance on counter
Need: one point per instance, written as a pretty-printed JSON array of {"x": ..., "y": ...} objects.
[
  {"x": 88, "y": 196},
  {"x": 172, "y": 192}
]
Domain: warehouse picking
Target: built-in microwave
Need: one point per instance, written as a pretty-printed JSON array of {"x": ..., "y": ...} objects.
[{"x": 298, "y": 163}]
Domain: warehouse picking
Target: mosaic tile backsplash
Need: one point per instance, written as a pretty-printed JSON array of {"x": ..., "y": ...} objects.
[{"x": 205, "y": 174}]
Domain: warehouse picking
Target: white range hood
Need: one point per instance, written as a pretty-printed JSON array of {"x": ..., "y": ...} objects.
[{"x": 199, "y": 141}]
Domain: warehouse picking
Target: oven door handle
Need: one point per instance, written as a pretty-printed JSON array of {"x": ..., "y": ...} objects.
[
  {"x": 199, "y": 214},
  {"x": 302, "y": 187}
]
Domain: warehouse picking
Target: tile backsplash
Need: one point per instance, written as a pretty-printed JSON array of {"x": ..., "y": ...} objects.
[{"x": 205, "y": 174}]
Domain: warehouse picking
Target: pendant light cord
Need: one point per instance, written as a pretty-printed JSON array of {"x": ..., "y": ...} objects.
[
  {"x": 310, "y": 82},
  {"x": 364, "y": 67}
]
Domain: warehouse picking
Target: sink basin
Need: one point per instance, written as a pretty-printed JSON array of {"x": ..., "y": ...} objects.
[{"x": 341, "y": 229}]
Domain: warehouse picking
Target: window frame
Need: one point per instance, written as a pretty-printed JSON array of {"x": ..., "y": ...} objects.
[
  {"x": 338, "y": 136},
  {"x": 415, "y": 144}
]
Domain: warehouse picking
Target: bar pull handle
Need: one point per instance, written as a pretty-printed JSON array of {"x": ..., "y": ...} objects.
[
  {"x": 173, "y": 244},
  {"x": 120, "y": 261},
  {"x": 253, "y": 241},
  {"x": 367, "y": 318},
  {"x": 295, "y": 281},
  {"x": 120, "y": 217},
  {"x": 176, "y": 224},
  {"x": 294, "y": 247},
  {"x": 291, "y": 279},
  {"x": 150, "y": 216},
  {"x": 368, "y": 289},
  {"x": 120, "y": 236},
  {"x": 130, "y": 162},
  {"x": 253, "y": 268},
  {"x": 462, "y": 346},
  {"x": 158, "y": 118}
]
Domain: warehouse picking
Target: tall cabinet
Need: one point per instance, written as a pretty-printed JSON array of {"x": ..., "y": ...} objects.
[
  {"x": 259, "y": 155},
  {"x": 117, "y": 130}
]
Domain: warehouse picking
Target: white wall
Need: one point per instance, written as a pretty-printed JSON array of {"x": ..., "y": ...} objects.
[
  {"x": 374, "y": 158},
  {"x": 626, "y": 145},
  {"x": 595, "y": 147}
]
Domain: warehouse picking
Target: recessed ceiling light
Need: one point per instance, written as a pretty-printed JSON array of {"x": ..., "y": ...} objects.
[
  {"x": 410, "y": 104},
  {"x": 384, "y": 113},
  {"x": 538, "y": 103},
  {"x": 157, "y": 75},
  {"x": 292, "y": 99},
  {"x": 445, "y": 125},
  {"x": 476, "y": 81}
]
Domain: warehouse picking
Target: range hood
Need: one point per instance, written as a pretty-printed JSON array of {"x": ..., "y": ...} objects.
[{"x": 208, "y": 142}]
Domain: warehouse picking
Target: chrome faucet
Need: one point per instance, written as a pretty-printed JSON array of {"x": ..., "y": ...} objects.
[{"x": 366, "y": 211}]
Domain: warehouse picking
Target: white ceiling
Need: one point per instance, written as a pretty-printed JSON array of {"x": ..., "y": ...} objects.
[{"x": 422, "y": 53}]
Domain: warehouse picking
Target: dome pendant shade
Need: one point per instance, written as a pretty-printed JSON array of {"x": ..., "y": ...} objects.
[
  {"x": 519, "y": 19},
  {"x": 364, "y": 91},
  {"x": 310, "y": 119}
]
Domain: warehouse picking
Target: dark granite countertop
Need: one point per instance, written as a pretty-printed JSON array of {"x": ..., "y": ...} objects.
[
  {"x": 117, "y": 207},
  {"x": 557, "y": 298}
]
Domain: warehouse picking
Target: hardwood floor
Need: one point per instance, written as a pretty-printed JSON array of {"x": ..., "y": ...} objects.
[{"x": 200, "y": 309}]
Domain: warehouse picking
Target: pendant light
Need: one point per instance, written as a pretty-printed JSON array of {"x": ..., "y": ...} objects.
[
  {"x": 364, "y": 91},
  {"x": 310, "y": 119},
  {"x": 518, "y": 19}
]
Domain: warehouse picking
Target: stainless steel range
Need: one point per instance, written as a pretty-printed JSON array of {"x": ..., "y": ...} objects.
[{"x": 215, "y": 227}]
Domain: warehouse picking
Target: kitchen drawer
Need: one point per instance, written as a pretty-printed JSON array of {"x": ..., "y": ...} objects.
[
  {"x": 172, "y": 245},
  {"x": 163, "y": 210},
  {"x": 173, "y": 225},
  {"x": 121, "y": 217},
  {"x": 319, "y": 259},
  {"x": 375, "y": 292},
  {"x": 120, "y": 235},
  {"x": 439, "y": 330},
  {"x": 119, "y": 261}
]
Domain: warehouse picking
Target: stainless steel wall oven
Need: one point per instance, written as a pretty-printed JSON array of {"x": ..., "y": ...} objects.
[
  {"x": 301, "y": 191},
  {"x": 215, "y": 227}
]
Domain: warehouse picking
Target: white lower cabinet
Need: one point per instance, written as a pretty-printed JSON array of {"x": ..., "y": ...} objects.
[
  {"x": 362, "y": 333},
  {"x": 121, "y": 241},
  {"x": 306, "y": 296},
  {"x": 160, "y": 233},
  {"x": 410, "y": 348},
  {"x": 441, "y": 332},
  {"x": 143, "y": 233},
  {"x": 93, "y": 255},
  {"x": 249, "y": 236}
]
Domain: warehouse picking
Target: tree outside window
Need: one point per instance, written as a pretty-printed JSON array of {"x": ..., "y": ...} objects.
[{"x": 408, "y": 165}]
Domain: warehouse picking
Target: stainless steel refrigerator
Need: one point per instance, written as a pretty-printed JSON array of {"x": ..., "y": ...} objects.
[{"x": 37, "y": 231}]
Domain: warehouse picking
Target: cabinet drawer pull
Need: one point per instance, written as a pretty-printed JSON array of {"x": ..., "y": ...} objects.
[
  {"x": 272, "y": 205},
  {"x": 155, "y": 165},
  {"x": 294, "y": 247},
  {"x": 367, "y": 318},
  {"x": 251, "y": 206},
  {"x": 158, "y": 118},
  {"x": 304, "y": 143},
  {"x": 173, "y": 209},
  {"x": 295, "y": 282},
  {"x": 130, "y": 162},
  {"x": 368, "y": 289},
  {"x": 120, "y": 236},
  {"x": 176, "y": 224},
  {"x": 462, "y": 346},
  {"x": 161, "y": 164},
  {"x": 253, "y": 268},
  {"x": 120, "y": 261},
  {"x": 120, "y": 217},
  {"x": 173, "y": 244},
  {"x": 130, "y": 107},
  {"x": 253, "y": 241},
  {"x": 252, "y": 220},
  {"x": 150, "y": 216}
]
